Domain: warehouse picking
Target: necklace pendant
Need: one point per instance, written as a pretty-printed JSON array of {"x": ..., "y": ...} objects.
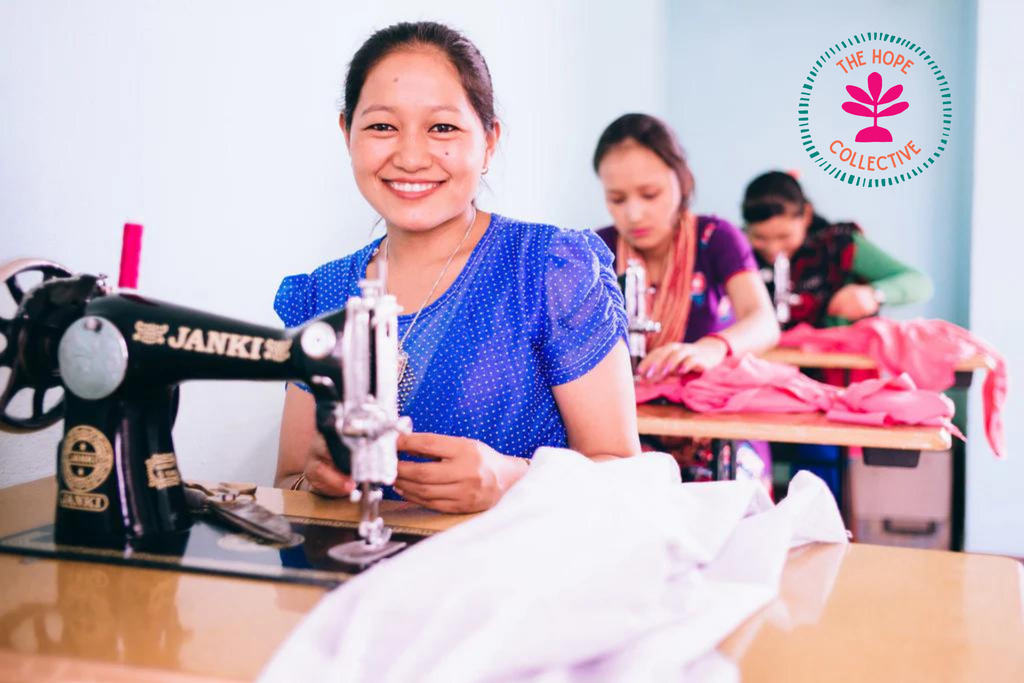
[
  {"x": 405, "y": 380},
  {"x": 403, "y": 361}
]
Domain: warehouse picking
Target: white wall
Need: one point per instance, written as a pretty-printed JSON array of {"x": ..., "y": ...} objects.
[
  {"x": 995, "y": 489},
  {"x": 215, "y": 125}
]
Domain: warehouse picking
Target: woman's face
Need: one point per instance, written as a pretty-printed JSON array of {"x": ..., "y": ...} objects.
[
  {"x": 418, "y": 147},
  {"x": 782, "y": 234},
  {"x": 642, "y": 193}
]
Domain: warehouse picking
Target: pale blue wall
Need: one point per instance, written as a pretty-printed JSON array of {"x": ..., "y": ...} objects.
[
  {"x": 734, "y": 69},
  {"x": 995, "y": 488}
]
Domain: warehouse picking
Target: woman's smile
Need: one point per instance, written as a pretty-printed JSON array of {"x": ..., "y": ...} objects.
[{"x": 412, "y": 189}]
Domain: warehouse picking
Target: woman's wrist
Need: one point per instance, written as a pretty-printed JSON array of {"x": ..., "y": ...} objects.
[
  {"x": 294, "y": 482},
  {"x": 721, "y": 340},
  {"x": 517, "y": 467}
]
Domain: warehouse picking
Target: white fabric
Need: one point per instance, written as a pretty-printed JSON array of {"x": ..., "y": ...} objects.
[{"x": 583, "y": 572}]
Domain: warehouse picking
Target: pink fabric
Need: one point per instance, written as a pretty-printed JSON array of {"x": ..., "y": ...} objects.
[
  {"x": 881, "y": 402},
  {"x": 752, "y": 385},
  {"x": 745, "y": 384},
  {"x": 927, "y": 350}
]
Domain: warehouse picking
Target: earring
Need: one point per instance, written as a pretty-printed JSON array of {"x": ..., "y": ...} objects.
[{"x": 484, "y": 172}]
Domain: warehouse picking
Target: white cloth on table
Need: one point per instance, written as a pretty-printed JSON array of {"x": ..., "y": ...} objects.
[{"x": 584, "y": 571}]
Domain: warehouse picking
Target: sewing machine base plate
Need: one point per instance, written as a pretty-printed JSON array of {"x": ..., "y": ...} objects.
[
  {"x": 211, "y": 549},
  {"x": 359, "y": 553}
]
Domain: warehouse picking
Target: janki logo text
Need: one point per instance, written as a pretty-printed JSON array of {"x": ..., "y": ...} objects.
[{"x": 875, "y": 111}]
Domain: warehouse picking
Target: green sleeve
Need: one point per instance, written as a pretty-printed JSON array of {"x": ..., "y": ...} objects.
[{"x": 900, "y": 283}]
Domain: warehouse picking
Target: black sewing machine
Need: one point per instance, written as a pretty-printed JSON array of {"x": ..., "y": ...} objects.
[{"x": 119, "y": 357}]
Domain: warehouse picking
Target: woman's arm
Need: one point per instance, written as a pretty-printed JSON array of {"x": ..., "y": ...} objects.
[
  {"x": 756, "y": 328},
  {"x": 900, "y": 283},
  {"x": 599, "y": 412},
  {"x": 896, "y": 282},
  {"x": 599, "y": 408},
  {"x": 302, "y": 450}
]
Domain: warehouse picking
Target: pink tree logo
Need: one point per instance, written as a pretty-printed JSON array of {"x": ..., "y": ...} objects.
[{"x": 874, "y": 133}]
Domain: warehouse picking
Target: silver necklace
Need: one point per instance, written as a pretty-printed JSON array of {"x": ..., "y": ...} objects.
[{"x": 405, "y": 378}]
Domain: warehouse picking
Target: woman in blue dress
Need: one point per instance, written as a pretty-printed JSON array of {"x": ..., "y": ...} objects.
[{"x": 514, "y": 332}]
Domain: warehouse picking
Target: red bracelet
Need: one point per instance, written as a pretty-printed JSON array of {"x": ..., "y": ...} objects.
[{"x": 728, "y": 346}]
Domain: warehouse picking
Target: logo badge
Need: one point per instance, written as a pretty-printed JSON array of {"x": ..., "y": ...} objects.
[
  {"x": 162, "y": 471},
  {"x": 875, "y": 110},
  {"x": 86, "y": 460},
  {"x": 150, "y": 334}
]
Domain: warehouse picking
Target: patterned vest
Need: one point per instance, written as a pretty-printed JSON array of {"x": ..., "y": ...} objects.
[{"x": 821, "y": 266}]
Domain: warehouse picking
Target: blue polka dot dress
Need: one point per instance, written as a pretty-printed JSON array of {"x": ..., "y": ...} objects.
[{"x": 535, "y": 306}]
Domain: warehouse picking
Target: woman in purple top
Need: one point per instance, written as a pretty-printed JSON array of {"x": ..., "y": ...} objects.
[
  {"x": 705, "y": 288},
  {"x": 722, "y": 252},
  {"x": 706, "y": 291}
]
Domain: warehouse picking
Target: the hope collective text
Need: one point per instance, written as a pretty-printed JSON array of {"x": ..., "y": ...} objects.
[
  {"x": 870, "y": 113},
  {"x": 876, "y": 98}
]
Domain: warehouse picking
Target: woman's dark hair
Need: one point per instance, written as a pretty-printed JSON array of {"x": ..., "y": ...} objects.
[
  {"x": 773, "y": 194},
  {"x": 463, "y": 54},
  {"x": 655, "y": 135}
]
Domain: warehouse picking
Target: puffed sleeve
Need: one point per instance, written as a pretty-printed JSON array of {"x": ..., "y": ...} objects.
[
  {"x": 295, "y": 303},
  {"x": 584, "y": 308},
  {"x": 296, "y": 300}
]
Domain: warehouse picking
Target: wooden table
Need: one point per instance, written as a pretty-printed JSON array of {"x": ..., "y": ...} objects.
[
  {"x": 852, "y": 361},
  {"x": 857, "y": 613},
  {"x": 812, "y": 428}
]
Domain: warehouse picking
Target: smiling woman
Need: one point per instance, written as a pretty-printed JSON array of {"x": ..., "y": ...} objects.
[{"x": 514, "y": 333}]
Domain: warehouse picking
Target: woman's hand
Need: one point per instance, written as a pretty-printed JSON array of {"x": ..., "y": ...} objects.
[
  {"x": 303, "y": 451},
  {"x": 853, "y": 302},
  {"x": 467, "y": 475},
  {"x": 677, "y": 358},
  {"x": 322, "y": 476}
]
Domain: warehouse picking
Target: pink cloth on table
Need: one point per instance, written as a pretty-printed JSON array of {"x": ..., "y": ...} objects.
[
  {"x": 880, "y": 402},
  {"x": 753, "y": 385},
  {"x": 927, "y": 350},
  {"x": 746, "y": 384}
]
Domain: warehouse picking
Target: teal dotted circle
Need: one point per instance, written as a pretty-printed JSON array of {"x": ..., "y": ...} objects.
[{"x": 804, "y": 107}]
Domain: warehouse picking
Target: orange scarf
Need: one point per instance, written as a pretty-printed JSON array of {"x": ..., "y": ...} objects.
[{"x": 671, "y": 302}]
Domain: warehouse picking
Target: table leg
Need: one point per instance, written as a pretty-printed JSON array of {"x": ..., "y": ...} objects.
[
  {"x": 845, "y": 489},
  {"x": 723, "y": 459},
  {"x": 891, "y": 457}
]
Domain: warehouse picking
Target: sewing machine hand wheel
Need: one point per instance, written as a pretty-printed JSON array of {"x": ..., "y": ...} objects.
[{"x": 15, "y": 354}]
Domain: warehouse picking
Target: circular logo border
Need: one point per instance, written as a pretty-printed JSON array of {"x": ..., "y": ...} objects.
[
  {"x": 804, "y": 107},
  {"x": 104, "y": 459}
]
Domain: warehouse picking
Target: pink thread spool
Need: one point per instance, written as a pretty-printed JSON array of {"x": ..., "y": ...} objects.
[{"x": 131, "y": 250}]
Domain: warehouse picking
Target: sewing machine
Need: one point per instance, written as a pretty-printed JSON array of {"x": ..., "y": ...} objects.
[
  {"x": 780, "y": 284},
  {"x": 119, "y": 357},
  {"x": 635, "y": 290}
]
